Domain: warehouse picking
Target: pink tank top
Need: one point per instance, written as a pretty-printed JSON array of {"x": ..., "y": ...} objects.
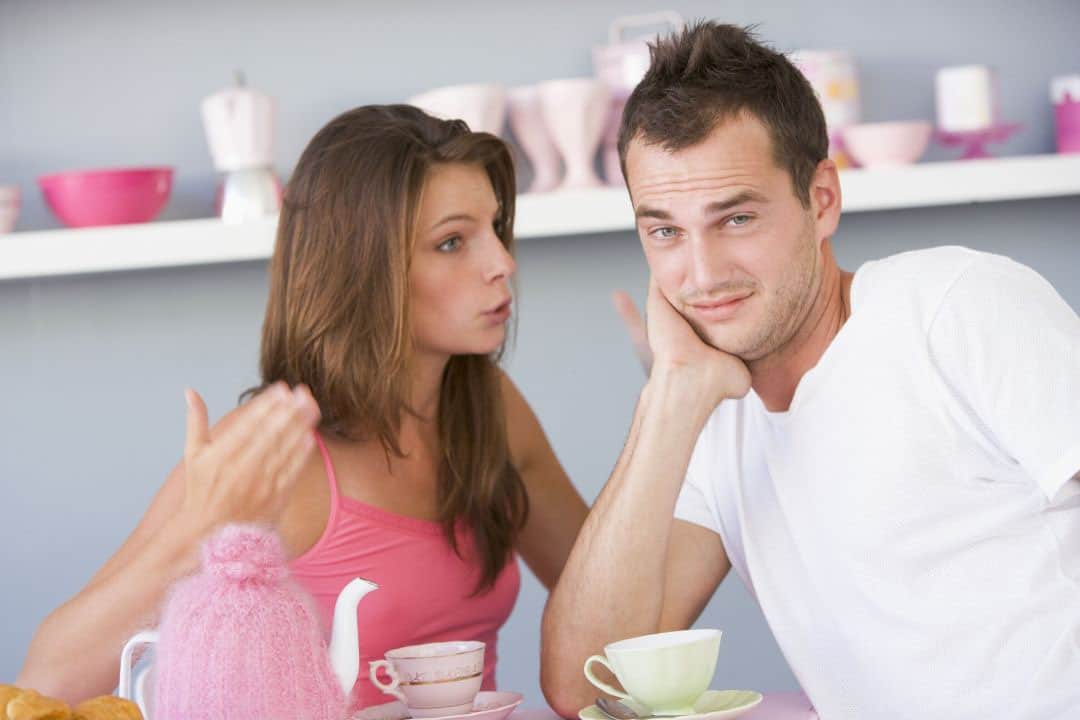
[{"x": 424, "y": 590}]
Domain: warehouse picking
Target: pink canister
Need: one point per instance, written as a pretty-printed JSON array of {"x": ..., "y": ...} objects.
[
  {"x": 620, "y": 65},
  {"x": 1065, "y": 92}
]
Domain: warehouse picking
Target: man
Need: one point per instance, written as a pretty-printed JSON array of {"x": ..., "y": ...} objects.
[{"x": 888, "y": 458}]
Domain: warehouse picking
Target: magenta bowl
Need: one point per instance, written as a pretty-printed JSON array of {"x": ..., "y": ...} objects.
[{"x": 88, "y": 198}]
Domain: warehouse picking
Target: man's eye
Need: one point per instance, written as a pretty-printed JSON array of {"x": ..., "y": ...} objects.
[
  {"x": 740, "y": 220},
  {"x": 664, "y": 233},
  {"x": 449, "y": 244}
]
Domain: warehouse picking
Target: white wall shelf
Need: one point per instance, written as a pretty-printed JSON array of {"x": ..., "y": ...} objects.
[{"x": 198, "y": 242}]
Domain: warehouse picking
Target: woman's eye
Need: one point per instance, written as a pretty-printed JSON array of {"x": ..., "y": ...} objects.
[{"x": 449, "y": 244}]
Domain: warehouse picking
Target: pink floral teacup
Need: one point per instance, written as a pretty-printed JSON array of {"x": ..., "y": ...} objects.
[{"x": 435, "y": 679}]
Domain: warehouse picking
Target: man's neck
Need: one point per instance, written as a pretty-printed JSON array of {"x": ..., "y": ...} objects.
[{"x": 775, "y": 377}]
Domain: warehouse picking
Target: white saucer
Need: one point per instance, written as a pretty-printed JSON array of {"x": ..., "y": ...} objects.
[
  {"x": 712, "y": 705},
  {"x": 488, "y": 705}
]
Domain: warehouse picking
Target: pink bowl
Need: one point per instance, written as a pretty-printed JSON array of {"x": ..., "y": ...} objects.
[
  {"x": 107, "y": 197},
  {"x": 890, "y": 143}
]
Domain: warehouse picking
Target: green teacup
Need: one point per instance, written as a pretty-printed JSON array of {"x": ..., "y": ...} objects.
[{"x": 665, "y": 672}]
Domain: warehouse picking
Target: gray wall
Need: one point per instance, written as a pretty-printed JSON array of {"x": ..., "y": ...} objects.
[{"x": 91, "y": 416}]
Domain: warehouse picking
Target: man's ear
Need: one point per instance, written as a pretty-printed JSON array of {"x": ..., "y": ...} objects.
[{"x": 825, "y": 199}]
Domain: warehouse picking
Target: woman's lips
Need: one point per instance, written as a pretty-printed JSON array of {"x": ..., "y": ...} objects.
[{"x": 499, "y": 313}]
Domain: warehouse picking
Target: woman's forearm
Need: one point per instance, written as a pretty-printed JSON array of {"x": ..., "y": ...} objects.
[{"x": 75, "y": 652}]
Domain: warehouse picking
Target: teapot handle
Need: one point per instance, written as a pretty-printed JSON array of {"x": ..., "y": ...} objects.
[
  {"x": 126, "y": 688},
  {"x": 390, "y": 688}
]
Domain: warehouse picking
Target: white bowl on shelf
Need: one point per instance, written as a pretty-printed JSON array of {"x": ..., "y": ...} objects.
[
  {"x": 481, "y": 106},
  {"x": 887, "y": 143}
]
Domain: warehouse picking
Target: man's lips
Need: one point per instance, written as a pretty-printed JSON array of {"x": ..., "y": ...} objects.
[
  {"x": 719, "y": 308},
  {"x": 720, "y": 302}
]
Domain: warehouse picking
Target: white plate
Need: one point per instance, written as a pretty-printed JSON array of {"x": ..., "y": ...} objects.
[
  {"x": 712, "y": 705},
  {"x": 488, "y": 705}
]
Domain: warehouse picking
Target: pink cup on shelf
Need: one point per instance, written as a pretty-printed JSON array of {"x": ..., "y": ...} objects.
[
  {"x": 576, "y": 111},
  {"x": 527, "y": 124},
  {"x": 10, "y": 202},
  {"x": 1065, "y": 92}
]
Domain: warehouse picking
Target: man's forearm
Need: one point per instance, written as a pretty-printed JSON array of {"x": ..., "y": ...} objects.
[{"x": 613, "y": 583}]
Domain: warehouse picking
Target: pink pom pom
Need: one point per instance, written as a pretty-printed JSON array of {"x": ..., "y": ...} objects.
[{"x": 245, "y": 552}]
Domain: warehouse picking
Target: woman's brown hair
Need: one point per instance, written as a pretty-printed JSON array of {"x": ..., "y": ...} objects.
[{"x": 337, "y": 317}]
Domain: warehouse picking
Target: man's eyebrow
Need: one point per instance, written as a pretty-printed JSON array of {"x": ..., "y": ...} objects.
[
  {"x": 738, "y": 199},
  {"x": 644, "y": 211},
  {"x": 745, "y": 196}
]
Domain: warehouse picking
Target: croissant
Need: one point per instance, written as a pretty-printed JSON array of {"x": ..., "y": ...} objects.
[
  {"x": 7, "y": 694},
  {"x": 107, "y": 707},
  {"x": 30, "y": 705}
]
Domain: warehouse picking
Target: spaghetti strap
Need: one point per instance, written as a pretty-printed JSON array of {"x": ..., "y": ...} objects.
[{"x": 328, "y": 465}]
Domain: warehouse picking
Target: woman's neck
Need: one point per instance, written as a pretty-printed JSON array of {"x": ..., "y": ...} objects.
[{"x": 426, "y": 385}]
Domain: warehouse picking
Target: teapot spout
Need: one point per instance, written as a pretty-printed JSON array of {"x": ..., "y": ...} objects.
[{"x": 344, "y": 637}]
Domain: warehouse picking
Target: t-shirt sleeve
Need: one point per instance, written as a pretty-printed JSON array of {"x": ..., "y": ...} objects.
[
  {"x": 697, "y": 502},
  {"x": 1009, "y": 345}
]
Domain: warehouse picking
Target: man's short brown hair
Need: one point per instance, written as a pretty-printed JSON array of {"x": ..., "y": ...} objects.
[{"x": 711, "y": 72}]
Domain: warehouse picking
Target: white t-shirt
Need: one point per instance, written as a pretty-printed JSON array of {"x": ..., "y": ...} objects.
[{"x": 911, "y": 525}]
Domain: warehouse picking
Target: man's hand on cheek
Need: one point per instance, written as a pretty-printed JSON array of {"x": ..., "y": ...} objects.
[{"x": 680, "y": 355}]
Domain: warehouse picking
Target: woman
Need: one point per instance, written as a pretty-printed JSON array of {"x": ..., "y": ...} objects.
[{"x": 390, "y": 291}]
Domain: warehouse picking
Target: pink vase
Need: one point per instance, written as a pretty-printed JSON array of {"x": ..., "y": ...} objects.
[
  {"x": 621, "y": 64},
  {"x": 1065, "y": 92},
  {"x": 609, "y": 145}
]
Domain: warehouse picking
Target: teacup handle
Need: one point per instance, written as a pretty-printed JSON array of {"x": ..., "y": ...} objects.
[
  {"x": 600, "y": 684},
  {"x": 390, "y": 688}
]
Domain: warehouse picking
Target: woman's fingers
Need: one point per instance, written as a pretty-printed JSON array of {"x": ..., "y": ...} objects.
[
  {"x": 297, "y": 442},
  {"x": 635, "y": 327},
  {"x": 270, "y": 447},
  {"x": 234, "y": 441},
  {"x": 198, "y": 425},
  {"x": 248, "y": 467}
]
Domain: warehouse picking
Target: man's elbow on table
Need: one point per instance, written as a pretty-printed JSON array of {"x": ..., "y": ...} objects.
[
  {"x": 562, "y": 695},
  {"x": 561, "y": 677}
]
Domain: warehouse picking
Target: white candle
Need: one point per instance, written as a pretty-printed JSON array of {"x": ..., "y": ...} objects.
[{"x": 966, "y": 98}]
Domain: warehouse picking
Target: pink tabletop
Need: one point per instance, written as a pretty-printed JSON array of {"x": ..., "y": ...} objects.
[
  {"x": 782, "y": 706},
  {"x": 775, "y": 706}
]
